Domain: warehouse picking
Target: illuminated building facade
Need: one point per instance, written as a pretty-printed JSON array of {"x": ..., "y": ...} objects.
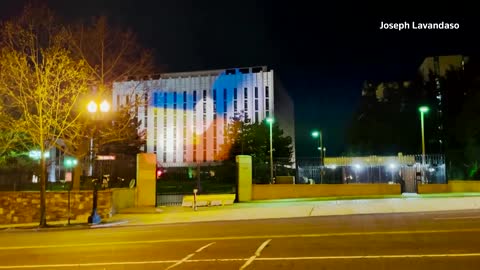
[{"x": 185, "y": 115}]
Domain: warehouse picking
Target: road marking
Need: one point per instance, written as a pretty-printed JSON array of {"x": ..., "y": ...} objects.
[
  {"x": 260, "y": 248},
  {"x": 444, "y": 218},
  {"x": 238, "y": 238},
  {"x": 420, "y": 256},
  {"x": 181, "y": 261},
  {"x": 189, "y": 256},
  {"x": 204, "y": 247},
  {"x": 257, "y": 253},
  {"x": 372, "y": 257},
  {"x": 83, "y": 264}
]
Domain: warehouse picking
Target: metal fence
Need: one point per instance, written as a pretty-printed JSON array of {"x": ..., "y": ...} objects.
[
  {"x": 119, "y": 173},
  {"x": 405, "y": 170},
  {"x": 169, "y": 199}
]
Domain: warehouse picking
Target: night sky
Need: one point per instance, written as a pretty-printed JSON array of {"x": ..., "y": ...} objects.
[{"x": 321, "y": 54}]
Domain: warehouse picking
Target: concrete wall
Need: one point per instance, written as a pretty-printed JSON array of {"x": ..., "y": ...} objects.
[
  {"x": 432, "y": 188},
  {"x": 463, "y": 186},
  {"x": 286, "y": 191},
  {"x": 24, "y": 207},
  {"x": 452, "y": 186},
  {"x": 122, "y": 198}
]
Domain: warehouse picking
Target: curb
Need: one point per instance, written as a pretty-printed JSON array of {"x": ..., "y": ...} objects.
[{"x": 64, "y": 227}]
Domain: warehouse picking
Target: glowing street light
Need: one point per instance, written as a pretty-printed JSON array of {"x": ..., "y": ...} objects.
[
  {"x": 92, "y": 108},
  {"x": 270, "y": 122},
  {"x": 318, "y": 134},
  {"x": 423, "y": 110}
]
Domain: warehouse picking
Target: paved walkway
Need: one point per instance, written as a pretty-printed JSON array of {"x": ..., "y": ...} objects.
[
  {"x": 282, "y": 209},
  {"x": 300, "y": 208}
]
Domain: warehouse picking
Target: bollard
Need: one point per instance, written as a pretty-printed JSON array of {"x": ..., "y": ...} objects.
[{"x": 195, "y": 199}]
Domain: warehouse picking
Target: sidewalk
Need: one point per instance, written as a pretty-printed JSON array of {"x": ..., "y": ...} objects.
[
  {"x": 286, "y": 208},
  {"x": 301, "y": 208}
]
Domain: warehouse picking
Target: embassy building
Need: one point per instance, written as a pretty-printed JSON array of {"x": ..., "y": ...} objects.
[{"x": 184, "y": 116}]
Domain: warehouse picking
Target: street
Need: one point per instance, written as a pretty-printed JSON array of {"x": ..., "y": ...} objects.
[{"x": 434, "y": 240}]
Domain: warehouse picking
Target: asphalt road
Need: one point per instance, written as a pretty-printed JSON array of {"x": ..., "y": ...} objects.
[{"x": 437, "y": 240}]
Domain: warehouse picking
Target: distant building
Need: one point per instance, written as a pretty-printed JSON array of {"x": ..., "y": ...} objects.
[
  {"x": 185, "y": 115},
  {"x": 387, "y": 92},
  {"x": 439, "y": 65},
  {"x": 434, "y": 68}
]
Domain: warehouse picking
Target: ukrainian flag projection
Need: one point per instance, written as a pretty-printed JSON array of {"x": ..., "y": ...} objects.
[{"x": 186, "y": 114}]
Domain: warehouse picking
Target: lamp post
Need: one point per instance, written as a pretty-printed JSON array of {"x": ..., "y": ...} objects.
[
  {"x": 318, "y": 134},
  {"x": 270, "y": 122},
  {"x": 94, "y": 218},
  {"x": 423, "y": 110},
  {"x": 69, "y": 163}
]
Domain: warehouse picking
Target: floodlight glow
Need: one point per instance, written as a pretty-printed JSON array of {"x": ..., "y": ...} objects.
[
  {"x": 92, "y": 106},
  {"x": 104, "y": 106},
  {"x": 423, "y": 109},
  {"x": 315, "y": 134}
]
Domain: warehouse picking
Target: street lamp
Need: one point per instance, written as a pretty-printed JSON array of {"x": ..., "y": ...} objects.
[
  {"x": 318, "y": 134},
  {"x": 423, "y": 110},
  {"x": 270, "y": 122},
  {"x": 69, "y": 163},
  {"x": 92, "y": 108}
]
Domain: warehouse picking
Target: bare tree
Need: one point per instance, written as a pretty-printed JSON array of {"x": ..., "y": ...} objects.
[
  {"x": 111, "y": 54},
  {"x": 41, "y": 83}
]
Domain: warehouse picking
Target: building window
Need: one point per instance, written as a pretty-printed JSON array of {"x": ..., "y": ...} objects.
[
  {"x": 146, "y": 110},
  {"x": 194, "y": 97},
  {"x": 235, "y": 105},
  {"x": 184, "y": 96},
  {"x": 136, "y": 104},
  {"x": 266, "y": 92},
  {"x": 256, "y": 104},
  {"x": 174, "y": 97},
  {"x": 245, "y": 92},
  {"x": 214, "y": 94},
  {"x": 256, "y": 92},
  {"x": 204, "y": 155},
  {"x": 234, "y": 93},
  {"x": 267, "y": 104},
  {"x": 256, "y": 117},
  {"x": 245, "y": 105},
  {"x": 204, "y": 95}
]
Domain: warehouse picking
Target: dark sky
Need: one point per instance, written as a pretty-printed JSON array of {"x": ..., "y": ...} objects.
[{"x": 322, "y": 52}]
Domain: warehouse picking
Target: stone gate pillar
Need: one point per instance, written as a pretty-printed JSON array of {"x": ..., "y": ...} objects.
[
  {"x": 244, "y": 177},
  {"x": 146, "y": 179}
]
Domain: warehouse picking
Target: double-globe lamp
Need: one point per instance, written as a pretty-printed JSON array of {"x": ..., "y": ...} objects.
[{"x": 92, "y": 108}]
